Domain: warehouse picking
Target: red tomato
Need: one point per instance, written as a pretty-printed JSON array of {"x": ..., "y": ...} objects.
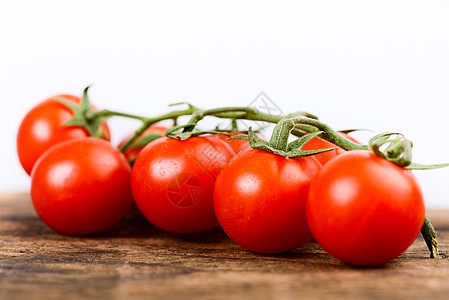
[
  {"x": 81, "y": 186},
  {"x": 42, "y": 127},
  {"x": 318, "y": 143},
  {"x": 364, "y": 210},
  {"x": 173, "y": 182},
  {"x": 132, "y": 151},
  {"x": 260, "y": 200}
]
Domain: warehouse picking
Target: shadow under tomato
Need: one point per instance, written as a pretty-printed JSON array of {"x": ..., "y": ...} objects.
[{"x": 216, "y": 235}]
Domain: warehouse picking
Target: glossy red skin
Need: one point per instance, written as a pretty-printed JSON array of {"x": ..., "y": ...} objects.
[
  {"x": 260, "y": 200},
  {"x": 173, "y": 182},
  {"x": 363, "y": 209},
  {"x": 42, "y": 127},
  {"x": 81, "y": 186},
  {"x": 318, "y": 143},
  {"x": 131, "y": 153}
]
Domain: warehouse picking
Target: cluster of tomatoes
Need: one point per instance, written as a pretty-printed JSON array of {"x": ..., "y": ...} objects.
[{"x": 360, "y": 208}]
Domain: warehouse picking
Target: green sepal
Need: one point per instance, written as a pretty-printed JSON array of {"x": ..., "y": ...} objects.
[
  {"x": 257, "y": 143},
  {"x": 295, "y": 147},
  {"x": 398, "y": 150},
  {"x": 171, "y": 133},
  {"x": 298, "y": 143},
  {"x": 82, "y": 115},
  {"x": 147, "y": 139},
  {"x": 303, "y": 153},
  {"x": 282, "y": 130},
  {"x": 416, "y": 166}
]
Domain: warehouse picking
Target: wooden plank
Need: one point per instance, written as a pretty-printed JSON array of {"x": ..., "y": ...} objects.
[{"x": 135, "y": 260}]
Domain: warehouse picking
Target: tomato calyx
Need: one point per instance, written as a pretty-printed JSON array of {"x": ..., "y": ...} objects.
[
  {"x": 395, "y": 148},
  {"x": 279, "y": 144},
  {"x": 293, "y": 148},
  {"x": 83, "y": 116}
]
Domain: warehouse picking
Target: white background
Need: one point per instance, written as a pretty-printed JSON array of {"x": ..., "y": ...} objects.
[{"x": 379, "y": 65}]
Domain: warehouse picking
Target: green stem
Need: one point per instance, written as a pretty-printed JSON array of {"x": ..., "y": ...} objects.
[
  {"x": 430, "y": 237},
  {"x": 150, "y": 121},
  {"x": 329, "y": 134},
  {"x": 109, "y": 113},
  {"x": 281, "y": 133},
  {"x": 237, "y": 112},
  {"x": 304, "y": 121},
  {"x": 240, "y": 112},
  {"x": 135, "y": 135},
  {"x": 299, "y": 125},
  {"x": 147, "y": 122},
  {"x": 234, "y": 126},
  {"x": 308, "y": 125}
]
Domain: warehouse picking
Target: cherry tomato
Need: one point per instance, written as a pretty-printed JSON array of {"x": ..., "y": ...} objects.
[
  {"x": 364, "y": 210},
  {"x": 42, "y": 127},
  {"x": 260, "y": 200},
  {"x": 173, "y": 181},
  {"x": 132, "y": 151},
  {"x": 81, "y": 186},
  {"x": 318, "y": 143}
]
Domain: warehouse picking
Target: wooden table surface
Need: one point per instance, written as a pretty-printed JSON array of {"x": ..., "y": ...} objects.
[{"x": 135, "y": 260}]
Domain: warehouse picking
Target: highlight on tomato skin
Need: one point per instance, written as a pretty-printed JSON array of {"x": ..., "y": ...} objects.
[
  {"x": 364, "y": 210},
  {"x": 259, "y": 200},
  {"x": 81, "y": 186},
  {"x": 42, "y": 127}
]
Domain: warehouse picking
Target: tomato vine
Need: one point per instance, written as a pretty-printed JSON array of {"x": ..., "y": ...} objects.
[{"x": 393, "y": 147}]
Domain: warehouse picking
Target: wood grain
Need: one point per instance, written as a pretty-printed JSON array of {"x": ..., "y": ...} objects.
[{"x": 135, "y": 260}]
